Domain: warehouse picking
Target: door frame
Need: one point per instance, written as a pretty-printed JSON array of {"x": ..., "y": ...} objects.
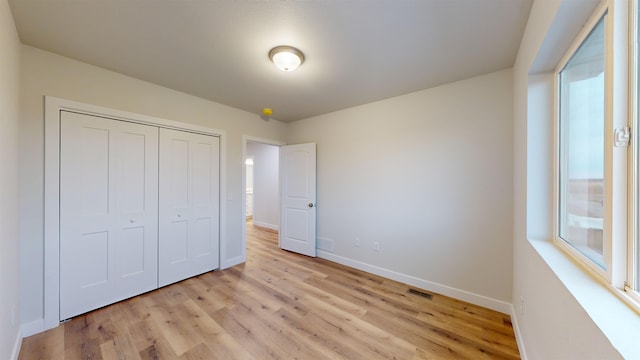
[
  {"x": 243, "y": 213},
  {"x": 53, "y": 106}
]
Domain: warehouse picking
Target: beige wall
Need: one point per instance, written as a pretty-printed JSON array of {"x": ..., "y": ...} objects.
[
  {"x": 428, "y": 175},
  {"x": 44, "y": 73},
  {"x": 9, "y": 245}
]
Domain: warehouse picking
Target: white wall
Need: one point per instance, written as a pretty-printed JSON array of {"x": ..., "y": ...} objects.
[
  {"x": 9, "y": 245},
  {"x": 552, "y": 322},
  {"x": 44, "y": 73},
  {"x": 266, "y": 186},
  {"x": 428, "y": 175}
]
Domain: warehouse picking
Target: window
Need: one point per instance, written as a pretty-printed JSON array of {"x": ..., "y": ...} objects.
[
  {"x": 597, "y": 195},
  {"x": 597, "y": 154},
  {"x": 581, "y": 149}
]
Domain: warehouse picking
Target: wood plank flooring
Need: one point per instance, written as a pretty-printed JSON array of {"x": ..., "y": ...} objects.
[{"x": 280, "y": 305}]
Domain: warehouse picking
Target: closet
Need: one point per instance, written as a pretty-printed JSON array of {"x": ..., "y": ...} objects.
[{"x": 139, "y": 209}]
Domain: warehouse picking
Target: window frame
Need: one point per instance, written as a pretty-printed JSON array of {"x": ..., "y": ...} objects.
[
  {"x": 632, "y": 283},
  {"x": 602, "y": 12}
]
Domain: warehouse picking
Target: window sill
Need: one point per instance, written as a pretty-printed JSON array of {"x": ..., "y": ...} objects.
[{"x": 615, "y": 318}]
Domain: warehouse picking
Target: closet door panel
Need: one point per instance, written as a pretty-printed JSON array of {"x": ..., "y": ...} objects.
[
  {"x": 174, "y": 216},
  {"x": 206, "y": 203},
  {"x": 131, "y": 197},
  {"x": 108, "y": 211},
  {"x": 189, "y": 203},
  {"x": 131, "y": 252},
  {"x": 136, "y": 247},
  {"x": 175, "y": 206},
  {"x": 206, "y": 200}
]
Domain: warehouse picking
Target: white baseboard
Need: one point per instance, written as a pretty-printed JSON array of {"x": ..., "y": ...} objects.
[
  {"x": 232, "y": 262},
  {"x": 16, "y": 345},
  {"x": 480, "y": 300},
  {"x": 266, "y": 225},
  {"x": 32, "y": 328},
  {"x": 518, "y": 334}
]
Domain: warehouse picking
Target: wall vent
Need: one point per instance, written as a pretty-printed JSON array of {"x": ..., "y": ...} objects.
[{"x": 420, "y": 293}]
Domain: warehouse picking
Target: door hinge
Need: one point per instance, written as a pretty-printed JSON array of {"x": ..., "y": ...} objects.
[{"x": 622, "y": 136}]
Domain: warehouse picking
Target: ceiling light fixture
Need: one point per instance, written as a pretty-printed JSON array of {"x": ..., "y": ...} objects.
[{"x": 286, "y": 58}]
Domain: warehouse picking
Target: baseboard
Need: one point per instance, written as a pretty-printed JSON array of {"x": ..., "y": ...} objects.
[
  {"x": 266, "y": 225},
  {"x": 480, "y": 300},
  {"x": 32, "y": 328},
  {"x": 518, "y": 334},
  {"x": 232, "y": 262},
  {"x": 16, "y": 345}
]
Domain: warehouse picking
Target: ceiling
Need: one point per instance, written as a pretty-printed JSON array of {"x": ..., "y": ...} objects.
[{"x": 357, "y": 51}]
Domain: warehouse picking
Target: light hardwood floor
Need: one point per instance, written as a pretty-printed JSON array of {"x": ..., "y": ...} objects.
[{"x": 280, "y": 305}]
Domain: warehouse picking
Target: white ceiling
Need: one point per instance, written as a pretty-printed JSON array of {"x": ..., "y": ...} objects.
[{"x": 357, "y": 51}]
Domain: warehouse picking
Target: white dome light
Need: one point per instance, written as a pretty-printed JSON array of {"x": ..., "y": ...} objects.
[{"x": 286, "y": 58}]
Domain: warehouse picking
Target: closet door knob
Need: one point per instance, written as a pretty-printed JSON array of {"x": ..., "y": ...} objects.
[{"x": 132, "y": 220}]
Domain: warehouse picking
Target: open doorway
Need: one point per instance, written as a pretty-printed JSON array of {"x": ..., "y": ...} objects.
[
  {"x": 248, "y": 185},
  {"x": 261, "y": 184}
]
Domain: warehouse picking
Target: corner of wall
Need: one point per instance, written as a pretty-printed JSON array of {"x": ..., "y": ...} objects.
[
  {"x": 518, "y": 333},
  {"x": 16, "y": 346}
]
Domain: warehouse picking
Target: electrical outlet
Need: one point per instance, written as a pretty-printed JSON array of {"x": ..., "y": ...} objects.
[
  {"x": 356, "y": 242},
  {"x": 376, "y": 246}
]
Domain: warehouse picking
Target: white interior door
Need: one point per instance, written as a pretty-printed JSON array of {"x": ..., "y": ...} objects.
[
  {"x": 189, "y": 205},
  {"x": 108, "y": 211},
  {"x": 298, "y": 198}
]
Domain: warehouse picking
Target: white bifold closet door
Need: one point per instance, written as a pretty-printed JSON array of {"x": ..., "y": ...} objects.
[
  {"x": 189, "y": 198},
  {"x": 108, "y": 211}
]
